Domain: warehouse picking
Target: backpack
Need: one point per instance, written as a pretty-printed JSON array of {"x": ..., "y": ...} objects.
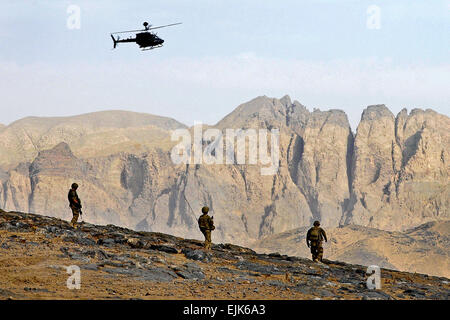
[{"x": 314, "y": 234}]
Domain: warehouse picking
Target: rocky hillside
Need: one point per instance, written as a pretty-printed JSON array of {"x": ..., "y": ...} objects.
[
  {"x": 423, "y": 249},
  {"x": 391, "y": 175},
  {"x": 118, "y": 263}
]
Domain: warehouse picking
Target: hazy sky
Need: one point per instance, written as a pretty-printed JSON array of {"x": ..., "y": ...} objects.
[{"x": 343, "y": 54}]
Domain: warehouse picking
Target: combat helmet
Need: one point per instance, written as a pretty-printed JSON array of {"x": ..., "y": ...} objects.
[
  {"x": 205, "y": 210},
  {"x": 316, "y": 223}
]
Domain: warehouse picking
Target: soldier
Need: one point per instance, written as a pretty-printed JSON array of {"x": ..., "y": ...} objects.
[
  {"x": 74, "y": 204},
  {"x": 314, "y": 239},
  {"x": 206, "y": 224}
]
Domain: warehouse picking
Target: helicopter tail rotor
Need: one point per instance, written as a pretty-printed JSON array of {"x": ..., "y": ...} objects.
[{"x": 115, "y": 41}]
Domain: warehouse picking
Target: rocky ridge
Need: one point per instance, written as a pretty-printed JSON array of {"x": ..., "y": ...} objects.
[
  {"x": 423, "y": 249},
  {"x": 118, "y": 263}
]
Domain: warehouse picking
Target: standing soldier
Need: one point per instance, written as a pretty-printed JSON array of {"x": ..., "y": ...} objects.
[
  {"x": 74, "y": 204},
  {"x": 314, "y": 239},
  {"x": 206, "y": 224}
]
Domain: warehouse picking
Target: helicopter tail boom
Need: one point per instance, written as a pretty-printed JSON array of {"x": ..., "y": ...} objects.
[{"x": 117, "y": 40}]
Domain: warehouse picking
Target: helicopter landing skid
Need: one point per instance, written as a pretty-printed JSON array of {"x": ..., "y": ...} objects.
[{"x": 151, "y": 48}]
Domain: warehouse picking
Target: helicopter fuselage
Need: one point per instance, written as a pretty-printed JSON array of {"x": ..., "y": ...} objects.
[
  {"x": 143, "y": 40},
  {"x": 147, "y": 39}
]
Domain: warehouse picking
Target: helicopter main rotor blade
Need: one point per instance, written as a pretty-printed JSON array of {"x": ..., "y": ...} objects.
[
  {"x": 167, "y": 25},
  {"x": 128, "y": 31}
]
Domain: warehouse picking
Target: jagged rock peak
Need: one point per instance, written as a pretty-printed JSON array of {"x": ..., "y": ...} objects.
[
  {"x": 61, "y": 149},
  {"x": 416, "y": 111},
  {"x": 286, "y": 101},
  {"x": 403, "y": 113},
  {"x": 265, "y": 111},
  {"x": 264, "y": 101},
  {"x": 377, "y": 111},
  {"x": 58, "y": 159},
  {"x": 332, "y": 116},
  {"x": 292, "y": 105}
]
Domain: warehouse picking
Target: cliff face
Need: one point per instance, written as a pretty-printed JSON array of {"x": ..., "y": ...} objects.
[
  {"x": 399, "y": 169},
  {"x": 393, "y": 174}
]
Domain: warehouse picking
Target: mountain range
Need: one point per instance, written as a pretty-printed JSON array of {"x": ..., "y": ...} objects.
[{"x": 390, "y": 175}]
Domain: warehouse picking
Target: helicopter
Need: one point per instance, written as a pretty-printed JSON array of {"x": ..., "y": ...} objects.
[{"x": 144, "y": 38}]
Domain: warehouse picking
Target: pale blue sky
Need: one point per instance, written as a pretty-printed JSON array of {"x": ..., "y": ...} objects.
[{"x": 319, "y": 52}]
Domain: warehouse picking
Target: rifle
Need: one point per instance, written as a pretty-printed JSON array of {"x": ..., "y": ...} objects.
[
  {"x": 213, "y": 227},
  {"x": 81, "y": 212}
]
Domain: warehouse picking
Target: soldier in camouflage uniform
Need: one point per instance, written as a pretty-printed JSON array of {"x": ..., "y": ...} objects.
[
  {"x": 314, "y": 239},
  {"x": 74, "y": 204},
  {"x": 206, "y": 224}
]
